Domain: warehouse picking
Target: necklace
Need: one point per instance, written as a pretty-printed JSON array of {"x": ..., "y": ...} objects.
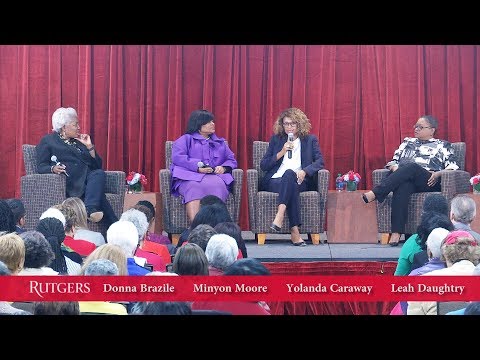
[{"x": 69, "y": 141}]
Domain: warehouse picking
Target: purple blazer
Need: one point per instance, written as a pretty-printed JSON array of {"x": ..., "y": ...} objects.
[{"x": 189, "y": 149}]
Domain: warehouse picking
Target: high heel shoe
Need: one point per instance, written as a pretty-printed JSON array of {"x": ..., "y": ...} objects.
[
  {"x": 275, "y": 227},
  {"x": 299, "y": 243},
  {"x": 364, "y": 197}
]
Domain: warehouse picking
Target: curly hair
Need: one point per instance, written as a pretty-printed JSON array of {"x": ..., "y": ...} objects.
[
  {"x": 38, "y": 251},
  {"x": 298, "y": 117}
]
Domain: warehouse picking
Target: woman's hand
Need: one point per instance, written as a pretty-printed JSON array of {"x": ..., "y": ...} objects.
[
  {"x": 205, "y": 170},
  {"x": 301, "y": 176},
  {"x": 85, "y": 140},
  {"x": 287, "y": 146},
  {"x": 58, "y": 169},
  {"x": 433, "y": 179},
  {"x": 219, "y": 170}
]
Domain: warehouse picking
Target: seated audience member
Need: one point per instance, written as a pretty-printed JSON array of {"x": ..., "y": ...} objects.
[
  {"x": 5, "y": 307},
  {"x": 421, "y": 258},
  {"x": 248, "y": 266},
  {"x": 148, "y": 244},
  {"x": 232, "y": 229},
  {"x": 202, "y": 163},
  {"x": 56, "y": 308},
  {"x": 18, "y": 210},
  {"x": 125, "y": 235},
  {"x": 7, "y": 219},
  {"x": 53, "y": 212},
  {"x": 66, "y": 262},
  {"x": 434, "y": 242},
  {"x": 416, "y": 242},
  {"x": 151, "y": 236},
  {"x": 101, "y": 267},
  {"x": 208, "y": 214},
  {"x": 81, "y": 247},
  {"x": 200, "y": 235},
  {"x": 434, "y": 253},
  {"x": 138, "y": 218},
  {"x": 462, "y": 212},
  {"x": 417, "y": 166},
  {"x": 190, "y": 259},
  {"x": 38, "y": 254},
  {"x": 82, "y": 231},
  {"x": 461, "y": 254},
  {"x": 161, "y": 308},
  {"x": 111, "y": 252},
  {"x": 221, "y": 252},
  {"x": 12, "y": 252}
]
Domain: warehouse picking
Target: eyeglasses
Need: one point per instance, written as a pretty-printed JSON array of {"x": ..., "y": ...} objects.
[
  {"x": 420, "y": 127},
  {"x": 289, "y": 124}
]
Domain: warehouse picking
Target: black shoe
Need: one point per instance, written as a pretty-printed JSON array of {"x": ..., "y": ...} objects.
[
  {"x": 364, "y": 197},
  {"x": 299, "y": 243},
  {"x": 275, "y": 227}
]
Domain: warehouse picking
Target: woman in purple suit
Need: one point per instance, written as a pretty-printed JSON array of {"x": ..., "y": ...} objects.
[{"x": 202, "y": 163}]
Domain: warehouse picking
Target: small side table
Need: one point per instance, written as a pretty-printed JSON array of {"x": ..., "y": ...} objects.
[
  {"x": 349, "y": 219},
  {"x": 155, "y": 198},
  {"x": 475, "y": 225}
]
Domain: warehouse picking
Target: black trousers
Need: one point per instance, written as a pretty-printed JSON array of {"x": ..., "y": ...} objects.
[
  {"x": 405, "y": 181},
  {"x": 289, "y": 194},
  {"x": 95, "y": 197}
]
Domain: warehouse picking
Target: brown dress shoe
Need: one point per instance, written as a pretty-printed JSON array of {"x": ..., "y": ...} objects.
[{"x": 96, "y": 216}]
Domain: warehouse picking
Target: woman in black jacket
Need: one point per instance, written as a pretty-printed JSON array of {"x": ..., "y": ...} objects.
[{"x": 291, "y": 163}]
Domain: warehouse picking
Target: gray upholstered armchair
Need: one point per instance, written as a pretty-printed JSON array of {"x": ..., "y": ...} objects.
[
  {"x": 262, "y": 205},
  {"x": 175, "y": 219},
  {"x": 453, "y": 183},
  {"x": 41, "y": 191}
]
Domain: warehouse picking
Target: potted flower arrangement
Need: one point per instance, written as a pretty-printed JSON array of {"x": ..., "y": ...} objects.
[
  {"x": 352, "y": 179},
  {"x": 475, "y": 182},
  {"x": 135, "y": 182}
]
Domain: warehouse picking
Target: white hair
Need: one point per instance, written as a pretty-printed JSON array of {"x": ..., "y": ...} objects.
[
  {"x": 434, "y": 241},
  {"x": 221, "y": 251},
  {"x": 63, "y": 116},
  {"x": 54, "y": 213},
  {"x": 139, "y": 219},
  {"x": 125, "y": 235}
]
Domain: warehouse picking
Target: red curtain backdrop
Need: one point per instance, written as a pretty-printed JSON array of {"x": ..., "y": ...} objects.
[{"x": 362, "y": 100}]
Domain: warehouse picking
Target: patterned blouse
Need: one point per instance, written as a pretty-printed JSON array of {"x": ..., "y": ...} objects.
[{"x": 432, "y": 154}]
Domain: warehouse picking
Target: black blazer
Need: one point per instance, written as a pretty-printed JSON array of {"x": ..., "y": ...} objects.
[
  {"x": 311, "y": 156},
  {"x": 77, "y": 160}
]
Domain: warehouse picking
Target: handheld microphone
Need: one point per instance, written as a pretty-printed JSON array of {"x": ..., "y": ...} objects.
[
  {"x": 55, "y": 160},
  {"x": 201, "y": 164},
  {"x": 290, "y": 138}
]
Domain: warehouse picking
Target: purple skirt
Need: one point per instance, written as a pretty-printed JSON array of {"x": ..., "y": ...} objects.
[{"x": 195, "y": 190}]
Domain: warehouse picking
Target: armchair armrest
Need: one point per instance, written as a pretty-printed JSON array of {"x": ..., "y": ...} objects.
[
  {"x": 115, "y": 182},
  {"x": 455, "y": 182},
  {"x": 39, "y": 192},
  {"x": 378, "y": 175},
  {"x": 165, "y": 190},
  {"x": 252, "y": 190}
]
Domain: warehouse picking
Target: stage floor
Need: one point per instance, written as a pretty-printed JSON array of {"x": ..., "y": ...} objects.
[{"x": 278, "y": 247}]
